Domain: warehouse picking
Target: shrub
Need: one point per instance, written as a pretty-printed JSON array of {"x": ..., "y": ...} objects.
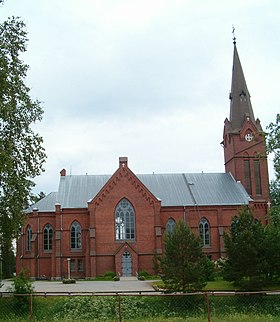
[
  {"x": 144, "y": 273},
  {"x": 68, "y": 281},
  {"x": 116, "y": 278},
  {"x": 22, "y": 284},
  {"x": 110, "y": 274},
  {"x": 141, "y": 278}
]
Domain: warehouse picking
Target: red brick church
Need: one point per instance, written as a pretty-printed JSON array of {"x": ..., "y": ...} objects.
[{"x": 117, "y": 222}]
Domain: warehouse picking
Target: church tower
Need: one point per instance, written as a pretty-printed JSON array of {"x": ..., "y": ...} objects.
[{"x": 243, "y": 139}]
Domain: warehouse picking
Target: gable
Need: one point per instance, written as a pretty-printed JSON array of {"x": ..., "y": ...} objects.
[{"x": 124, "y": 176}]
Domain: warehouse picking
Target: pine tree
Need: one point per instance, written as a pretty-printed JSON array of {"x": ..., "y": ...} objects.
[
  {"x": 244, "y": 247},
  {"x": 182, "y": 264}
]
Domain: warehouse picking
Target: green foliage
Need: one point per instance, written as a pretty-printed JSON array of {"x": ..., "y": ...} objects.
[
  {"x": 21, "y": 152},
  {"x": 245, "y": 249},
  {"x": 271, "y": 246},
  {"x": 273, "y": 144},
  {"x": 274, "y": 192},
  {"x": 111, "y": 275},
  {"x": 68, "y": 281},
  {"x": 22, "y": 283},
  {"x": 183, "y": 263},
  {"x": 156, "y": 263},
  {"x": 208, "y": 269}
]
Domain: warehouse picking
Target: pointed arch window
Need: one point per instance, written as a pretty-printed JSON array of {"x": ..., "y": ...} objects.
[
  {"x": 170, "y": 226},
  {"x": 28, "y": 238},
  {"x": 75, "y": 236},
  {"x": 124, "y": 221},
  {"x": 204, "y": 232},
  {"x": 47, "y": 238}
]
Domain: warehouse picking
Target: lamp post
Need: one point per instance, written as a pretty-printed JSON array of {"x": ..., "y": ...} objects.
[{"x": 68, "y": 264}]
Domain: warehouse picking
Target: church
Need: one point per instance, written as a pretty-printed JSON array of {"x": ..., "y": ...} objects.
[{"x": 99, "y": 223}]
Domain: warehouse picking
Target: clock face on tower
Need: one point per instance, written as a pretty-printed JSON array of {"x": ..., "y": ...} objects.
[{"x": 249, "y": 137}]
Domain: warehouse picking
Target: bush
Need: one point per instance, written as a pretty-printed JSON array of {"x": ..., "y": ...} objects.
[
  {"x": 68, "y": 281},
  {"x": 116, "y": 278},
  {"x": 141, "y": 278},
  {"x": 111, "y": 275},
  {"x": 22, "y": 284},
  {"x": 144, "y": 273}
]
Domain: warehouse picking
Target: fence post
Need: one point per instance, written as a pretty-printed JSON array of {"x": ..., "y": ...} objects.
[
  {"x": 120, "y": 308},
  {"x": 31, "y": 308},
  {"x": 208, "y": 306}
]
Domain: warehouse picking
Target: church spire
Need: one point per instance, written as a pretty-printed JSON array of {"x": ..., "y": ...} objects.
[{"x": 240, "y": 105}]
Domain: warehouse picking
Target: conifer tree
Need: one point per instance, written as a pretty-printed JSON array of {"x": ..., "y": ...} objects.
[
  {"x": 244, "y": 246},
  {"x": 183, "y": 263}
]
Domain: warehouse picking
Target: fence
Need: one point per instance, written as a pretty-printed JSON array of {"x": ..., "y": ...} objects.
[{"x": 202, "y": 306}]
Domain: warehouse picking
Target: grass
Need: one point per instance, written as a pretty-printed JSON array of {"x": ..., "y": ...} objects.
[{"x": 221, "y": 285}]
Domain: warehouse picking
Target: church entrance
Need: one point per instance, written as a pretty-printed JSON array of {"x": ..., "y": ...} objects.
[{"x": 126, "y": 264}]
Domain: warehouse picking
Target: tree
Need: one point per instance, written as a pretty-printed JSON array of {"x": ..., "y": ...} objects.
[
  {"x": 244, "y": 247},
  {"x": 21, "y": 152},
  {"x": 273, "y": 144},
  {"x": 271, "y": 246},
  {"x": 183, "y": 262}
]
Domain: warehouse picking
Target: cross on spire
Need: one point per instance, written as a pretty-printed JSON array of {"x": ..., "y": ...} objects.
[{"x": 234, "y": 39}]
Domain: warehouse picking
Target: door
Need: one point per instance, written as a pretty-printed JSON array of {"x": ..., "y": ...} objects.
[{"x": 126, "y": 264}]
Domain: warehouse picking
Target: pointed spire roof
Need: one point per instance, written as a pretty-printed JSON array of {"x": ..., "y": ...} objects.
[{"x": 240, "y": 105}]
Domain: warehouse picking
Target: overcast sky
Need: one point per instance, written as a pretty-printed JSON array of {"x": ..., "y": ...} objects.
[{"x": 146, "y": 79}]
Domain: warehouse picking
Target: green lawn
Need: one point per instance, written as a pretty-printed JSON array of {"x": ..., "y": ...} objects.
[{"x": 222, "y": 285}]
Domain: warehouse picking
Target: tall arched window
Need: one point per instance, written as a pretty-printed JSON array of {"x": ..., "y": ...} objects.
[
  {"x": 124, "y": 220},
  {"x": 76, "y": 236},
  {"x": 28, "y": 238},
  {"x": 170, "y": 226},
  {"x": 204, "y": 232},
  {"x": 47, "y": 237}
]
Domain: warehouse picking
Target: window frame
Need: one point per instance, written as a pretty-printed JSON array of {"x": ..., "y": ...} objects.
[
  {"x": 124, "y": 221},
  {"x": 28, "y": 238},
  {"x": 204, "y": 232},
  {"x": 47, "y": 238},
  {"x": 170, "y": 226},
  {"x": 75, "y": 236}
]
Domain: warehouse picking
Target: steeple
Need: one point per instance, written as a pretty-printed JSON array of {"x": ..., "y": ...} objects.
[
  {"x": 243, "y": 140},
  {"x": 240, "y": 105}
]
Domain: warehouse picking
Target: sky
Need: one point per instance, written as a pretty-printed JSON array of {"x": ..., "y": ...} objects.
[{"x": 145, "y": 79}]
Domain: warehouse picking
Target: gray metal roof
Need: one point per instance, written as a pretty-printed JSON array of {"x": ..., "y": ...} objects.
[
  {"x": 174, "y": 189},
  {"x": 46, "y": 204}
]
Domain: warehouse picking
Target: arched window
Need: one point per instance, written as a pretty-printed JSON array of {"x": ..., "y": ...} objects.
[
  {"x": 204, "y": 232},
  {"x": 170, "y": 226},
  {"x": 28, "y": 238},
  {"x": 76, "y": 236},
  {"x": 124, "y": 220},
  {"x": 48, "y": 237}
]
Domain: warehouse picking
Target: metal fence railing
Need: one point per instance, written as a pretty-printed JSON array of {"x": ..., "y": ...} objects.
[{"x": 140, "y": 306}]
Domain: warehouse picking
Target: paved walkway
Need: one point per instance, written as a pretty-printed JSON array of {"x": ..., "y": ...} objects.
[{"x": 88, "y": 286}]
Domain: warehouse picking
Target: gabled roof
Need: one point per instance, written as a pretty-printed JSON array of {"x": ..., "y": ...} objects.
[
  {"x": 174, "y": 189},
  {"x": 44, "y": 205}
]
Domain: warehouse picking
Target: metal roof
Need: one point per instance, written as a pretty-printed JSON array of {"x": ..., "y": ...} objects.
[{"x": 174, "y": 189}]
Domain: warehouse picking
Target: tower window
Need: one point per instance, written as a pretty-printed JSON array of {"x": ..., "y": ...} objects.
[
  {"x": 247, "y": 175},
  {"x": 257, "y": 174},
  {"x": 124, "y": 220}
]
